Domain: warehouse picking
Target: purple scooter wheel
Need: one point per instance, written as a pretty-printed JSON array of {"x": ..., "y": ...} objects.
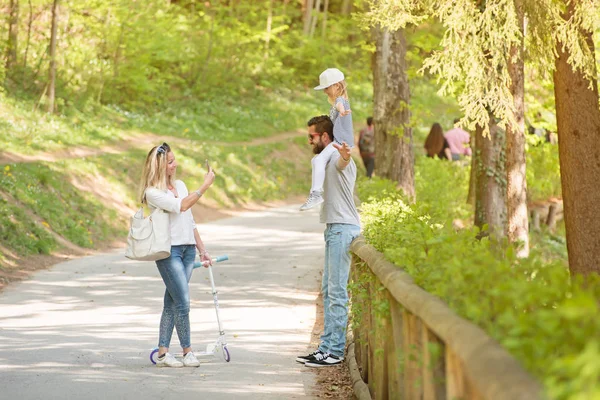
[
  {"x": 226, "y": 354},
  {"x": 154, "y": 355}
]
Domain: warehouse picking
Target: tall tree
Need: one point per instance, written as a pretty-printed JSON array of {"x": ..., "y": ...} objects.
[
  {"x": 307, "y": 6},
  {"x": 516, "y": 184},
  {"x": 13, "y": 31},
  {"x": 490, "y": 193},
  {"x": 28, "y": 42},
  {"x": 394, "y": 158},
  {"x": 325, "y": 15},
  {"x": 346, "y": 7},
  {"x": 471, "y": 196},
  {"x": 315, "y": 18},
  {"x": 269, "y": 28},
  {"x": 52, "y": 68},
  {"x": 578, "y": 119}
]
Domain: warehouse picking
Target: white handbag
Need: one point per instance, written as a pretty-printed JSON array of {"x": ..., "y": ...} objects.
[{"x": 149, "y": 238}]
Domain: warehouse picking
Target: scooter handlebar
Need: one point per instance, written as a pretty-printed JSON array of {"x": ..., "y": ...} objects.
[{"x": 222, "y": 258}]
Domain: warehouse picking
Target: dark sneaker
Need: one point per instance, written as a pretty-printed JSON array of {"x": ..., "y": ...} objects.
[
  {"x": 328, "y": 360},
  {"x": 314, "y": 199},
  {"x": 316, "y": 356}
]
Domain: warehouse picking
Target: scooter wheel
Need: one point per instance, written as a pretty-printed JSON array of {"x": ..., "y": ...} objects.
[
  {"x": 226, "y": 354},
  {"x": 154, "y": 355}
]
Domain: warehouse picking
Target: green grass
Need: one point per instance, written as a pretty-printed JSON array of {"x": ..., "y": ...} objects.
[
  {"x": 49, "y": 191},
  {"x": 20, "y": 234},
  {"x": 225, "y": 119},
  {"x": 74, "y": 197}
]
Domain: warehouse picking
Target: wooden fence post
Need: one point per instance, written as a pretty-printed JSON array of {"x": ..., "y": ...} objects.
[
  {"x": 413, "y": 356},
  {"x": 434, "y": 374},
  {"x": 396, "y": 355}
]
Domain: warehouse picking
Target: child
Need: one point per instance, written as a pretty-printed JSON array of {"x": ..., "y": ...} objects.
[{"x": 332, "y": 82}]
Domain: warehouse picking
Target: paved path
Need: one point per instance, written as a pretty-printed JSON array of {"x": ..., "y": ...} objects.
[{"x": 84, "y": 328}]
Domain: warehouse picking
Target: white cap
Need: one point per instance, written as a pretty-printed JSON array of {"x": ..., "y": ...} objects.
[{"x": 329, "y": 77}]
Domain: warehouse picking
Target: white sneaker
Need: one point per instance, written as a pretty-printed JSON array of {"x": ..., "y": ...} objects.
[
  {"x": 314, "y": 199},
  {"x": 190, "y": 360},
  {"x": 169, "y": 361}
]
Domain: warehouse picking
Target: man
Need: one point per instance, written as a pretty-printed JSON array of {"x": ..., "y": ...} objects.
[
  {"x": 366, "y": 145},
  {"x": 343, "y": 226},
  {"x": 457, "y": 138}
]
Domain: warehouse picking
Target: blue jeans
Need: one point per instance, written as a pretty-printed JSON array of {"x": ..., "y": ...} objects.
[
  {"x": 176, "y": 271},
  {"x": 338, "y": 238}
]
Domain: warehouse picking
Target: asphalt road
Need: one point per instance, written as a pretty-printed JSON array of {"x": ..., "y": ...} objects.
[{"x": 84, "y": 329}]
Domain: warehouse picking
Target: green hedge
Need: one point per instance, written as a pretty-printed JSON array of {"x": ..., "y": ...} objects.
[{"x": 532, "y": 307}]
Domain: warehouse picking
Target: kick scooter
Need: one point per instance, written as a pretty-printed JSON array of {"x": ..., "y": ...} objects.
[{"x": 220, "y": 343}]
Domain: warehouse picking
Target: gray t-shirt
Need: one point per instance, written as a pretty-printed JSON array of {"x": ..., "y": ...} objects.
[
  {"x": 342, "y": 126},
  {"x": 339, "y": 207}
]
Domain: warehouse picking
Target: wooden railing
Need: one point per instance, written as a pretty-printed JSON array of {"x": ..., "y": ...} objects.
[{"x": 409, "y": 345}]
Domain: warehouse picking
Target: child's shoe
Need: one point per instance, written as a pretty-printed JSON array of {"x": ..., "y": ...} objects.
[{"x": 314, "y": 199}]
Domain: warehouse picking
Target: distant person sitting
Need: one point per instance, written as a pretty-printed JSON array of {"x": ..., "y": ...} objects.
[
  {"x": 366, "y": 144},
  {"x": 457, "y": 139},
  {"x": 436, "y": 144}
]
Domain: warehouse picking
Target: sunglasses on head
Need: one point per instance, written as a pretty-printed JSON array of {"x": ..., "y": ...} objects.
[{"x": 162, "y": 149}]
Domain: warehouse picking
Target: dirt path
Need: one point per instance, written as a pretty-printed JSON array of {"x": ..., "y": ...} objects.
[{"x": 138, "y": 140}]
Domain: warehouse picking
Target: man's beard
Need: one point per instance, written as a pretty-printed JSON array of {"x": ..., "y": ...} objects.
[{"x": 318, "y": 147}]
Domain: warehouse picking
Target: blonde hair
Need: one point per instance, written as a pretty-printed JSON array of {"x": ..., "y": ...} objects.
[
  {"x": 154, "y": 173},
  {"x": 340, "y": 89}
]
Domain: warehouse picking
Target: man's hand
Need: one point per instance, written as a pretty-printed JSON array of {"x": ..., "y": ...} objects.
[{"x": 344, "y": 151}]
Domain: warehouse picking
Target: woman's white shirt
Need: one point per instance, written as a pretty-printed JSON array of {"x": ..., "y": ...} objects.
[{"x": 182, "y": 223}]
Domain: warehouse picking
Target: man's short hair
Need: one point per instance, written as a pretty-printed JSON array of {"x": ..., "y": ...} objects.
[
  {"x": 322, "y": 124},
  {"x": 370, "y": 121}
]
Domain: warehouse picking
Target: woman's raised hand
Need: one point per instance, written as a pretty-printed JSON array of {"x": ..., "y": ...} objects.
[{"x": 209, "y": 177}]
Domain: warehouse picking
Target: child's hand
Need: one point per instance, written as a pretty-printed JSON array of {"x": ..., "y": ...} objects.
[{"x": 343, "y": 112}]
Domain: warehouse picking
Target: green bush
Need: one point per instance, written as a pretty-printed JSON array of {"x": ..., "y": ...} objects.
[{"x": 549, "y": 322}]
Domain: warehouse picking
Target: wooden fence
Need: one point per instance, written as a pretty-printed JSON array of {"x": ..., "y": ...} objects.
[{"x": 409, "y": 345}]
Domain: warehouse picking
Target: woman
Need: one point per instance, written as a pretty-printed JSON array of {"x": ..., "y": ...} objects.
[
  {"x": 159, "y": 189},
  {"x": 436, "y": 144}
]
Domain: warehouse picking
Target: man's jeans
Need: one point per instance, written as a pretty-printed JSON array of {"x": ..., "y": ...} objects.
[
  {"x": 176, "y": 271},
  {"x": 338, "y": 238}
]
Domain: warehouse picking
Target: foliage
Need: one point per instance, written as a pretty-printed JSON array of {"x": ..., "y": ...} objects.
[
  {"x": 146, "y": 55},
  {"x": 543, "y": 172},
  {"x": 528, "y": 305},
  {"x": 474, "y": 54}
]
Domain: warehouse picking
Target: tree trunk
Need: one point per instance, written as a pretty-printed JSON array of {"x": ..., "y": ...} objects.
[
  {"x": 268, "y": 33},
  {"x": 325, "y": 12},
  {"x": 475, "y": 139},
  {"x": 315, "y": 18},
  {"x": 52, "y": 69},
  {"x": 578, "y": 121},
  {"x": 516, "y": 184},
  {"x": 490, "y": 203},
  {"x": 13, "y": 31},
  {"x": 394, "y": 157},
  {"x": 308, "y": 11},
  {"x": 29, "y": 25},
  {"x": 346, "y": 7}
]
